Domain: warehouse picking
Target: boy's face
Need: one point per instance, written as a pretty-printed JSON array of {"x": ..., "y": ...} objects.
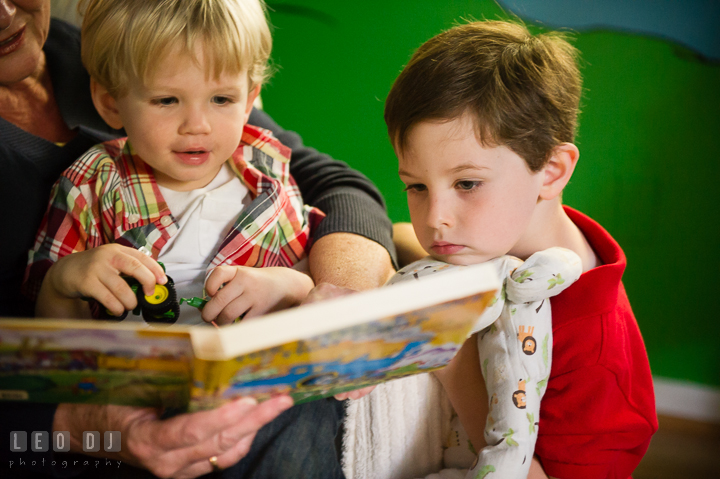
[
  {"x": 184, "y": 123},
  {"x": 468, "y": 203}
]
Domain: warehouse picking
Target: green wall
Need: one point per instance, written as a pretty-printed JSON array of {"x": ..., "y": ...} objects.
[{"x": 649, "y": 134}]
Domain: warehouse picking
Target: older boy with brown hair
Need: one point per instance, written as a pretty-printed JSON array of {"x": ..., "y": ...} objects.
[{"x": 483, "y": 121}]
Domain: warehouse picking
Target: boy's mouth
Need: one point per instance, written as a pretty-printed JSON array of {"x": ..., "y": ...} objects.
[
  {"x": 193, "y": 156},
  {"x": 445, "y": 248}
]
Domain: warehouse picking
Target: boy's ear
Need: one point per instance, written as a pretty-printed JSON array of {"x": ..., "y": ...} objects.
[
  {"x": 252, "y": 96},
  {"x": 105, "y": 104},
  {"x": 558, "y": 170}
]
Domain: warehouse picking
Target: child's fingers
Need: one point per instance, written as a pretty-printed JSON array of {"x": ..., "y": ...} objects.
[
  {"x": 141, "y": 267},
  {"x": 121, "y": 290},
  {"x": 114, "y": 294},
  {"x": 256, "y": 310},
  {"x": 108, "y": 300},
  {"x": 238, "y": 307},
  {"x": 220, "y": 276},
  {"x": 152, "y": 265},
  {"x": 227, "y": 305},
  {"x": 223, "y": 290}
]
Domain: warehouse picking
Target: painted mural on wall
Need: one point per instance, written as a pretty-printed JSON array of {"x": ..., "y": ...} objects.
[{"x": 689, "y": 23}]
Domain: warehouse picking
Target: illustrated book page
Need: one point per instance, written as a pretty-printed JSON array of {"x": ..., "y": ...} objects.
[{"x": 309, "y": 352}]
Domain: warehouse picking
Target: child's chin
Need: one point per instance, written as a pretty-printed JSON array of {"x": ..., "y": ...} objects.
[
  {"x": 450, "y": 259},
  {"x": 462, "y": 259}
]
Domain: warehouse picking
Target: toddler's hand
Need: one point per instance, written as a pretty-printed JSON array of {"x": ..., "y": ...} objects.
[
  {"x": 237, "y": 290},
  {"x": 95, "y": 273}
]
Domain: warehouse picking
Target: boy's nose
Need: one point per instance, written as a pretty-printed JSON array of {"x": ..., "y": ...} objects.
[
  {"x": 439, "y": 213},
  {"x": 195, "y": 122}
]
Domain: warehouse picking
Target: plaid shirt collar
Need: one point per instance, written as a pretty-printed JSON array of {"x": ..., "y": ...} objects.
[{"x": 149, "y": 206}]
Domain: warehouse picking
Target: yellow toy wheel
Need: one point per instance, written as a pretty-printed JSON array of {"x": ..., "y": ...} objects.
[
  {"x": 162, "y": 305},
  {"x": 159, "y": 295}
]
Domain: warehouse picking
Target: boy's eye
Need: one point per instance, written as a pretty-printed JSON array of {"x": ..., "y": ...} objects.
[
  {"x": 221, "y": 100},
  {"x": 417, "y": 187},
  {"x": 165, "y": 101},
  {"x": 467, "y": 185}
]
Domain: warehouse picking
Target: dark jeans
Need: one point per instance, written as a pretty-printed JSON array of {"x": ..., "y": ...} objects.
[{"x": 301, "y": 443}]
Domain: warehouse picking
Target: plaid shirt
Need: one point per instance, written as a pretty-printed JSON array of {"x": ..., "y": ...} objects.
[{"x": 109, "y": 195}]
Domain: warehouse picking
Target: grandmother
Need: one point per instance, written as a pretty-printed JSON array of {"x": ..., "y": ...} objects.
[{"x": 46, "y": 121}]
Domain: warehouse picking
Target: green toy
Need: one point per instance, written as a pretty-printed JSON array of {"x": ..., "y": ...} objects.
[{"x": 160, "y": 307}]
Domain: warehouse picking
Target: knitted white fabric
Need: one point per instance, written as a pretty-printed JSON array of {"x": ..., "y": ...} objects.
[{"x": 398, "y": 431}]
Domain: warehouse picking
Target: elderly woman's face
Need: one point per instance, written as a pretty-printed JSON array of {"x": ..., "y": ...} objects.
[{"x": 24, "y": 26}]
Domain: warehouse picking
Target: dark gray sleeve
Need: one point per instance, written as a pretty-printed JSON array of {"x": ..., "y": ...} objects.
[{"x": 348, "y": 198}]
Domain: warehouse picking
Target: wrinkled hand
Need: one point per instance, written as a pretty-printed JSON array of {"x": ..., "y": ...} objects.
[
  {"x": 178, "y": 447},
  {"x": 181, "y": 446},
  {"x": 238, "y": 290},
  {"x": 95, "y": 273}
]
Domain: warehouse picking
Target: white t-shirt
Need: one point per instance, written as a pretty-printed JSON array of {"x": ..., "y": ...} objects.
[{"x": 204, "y": 217}]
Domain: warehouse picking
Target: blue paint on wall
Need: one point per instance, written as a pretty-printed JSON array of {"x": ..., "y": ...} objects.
[{"x": 691, "y": 23}]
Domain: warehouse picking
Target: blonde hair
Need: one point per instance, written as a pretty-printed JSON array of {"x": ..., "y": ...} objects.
[{"x": 122, "y": 39}]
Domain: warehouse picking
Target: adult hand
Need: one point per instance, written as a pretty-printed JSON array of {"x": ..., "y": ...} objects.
[
  {"x": 95, "y": 273},
  {"x": 178, "y": 447},
  {"x": 356, "y": 394},
  {"x": 325, "y": 291}
]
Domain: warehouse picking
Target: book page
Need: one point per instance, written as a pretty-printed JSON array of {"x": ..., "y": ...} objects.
[
  {"x": 94, "y": 362},
  {"x": 326, "y": 316},
  {"x": 375, "y": 338}
]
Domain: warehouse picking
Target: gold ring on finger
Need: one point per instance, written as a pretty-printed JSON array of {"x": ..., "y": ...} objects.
[{"x": 214, "y": 463}]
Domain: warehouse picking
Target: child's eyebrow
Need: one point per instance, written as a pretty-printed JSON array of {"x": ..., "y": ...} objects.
[
  {"x": 161, "y": 89},
  {"x": 153, "y": 89},
  {"x": 467, "y": 166},
  {"x": 456, "y": 169}
]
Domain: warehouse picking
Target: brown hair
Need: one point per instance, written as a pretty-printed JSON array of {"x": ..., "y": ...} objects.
[{"x": 522, "y": 91}]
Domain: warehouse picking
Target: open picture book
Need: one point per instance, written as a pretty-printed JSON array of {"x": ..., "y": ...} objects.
[{"x": 309, "y": 352}]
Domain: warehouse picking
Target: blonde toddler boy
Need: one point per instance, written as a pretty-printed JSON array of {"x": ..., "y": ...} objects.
[{"x": 192, "y": 183}]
